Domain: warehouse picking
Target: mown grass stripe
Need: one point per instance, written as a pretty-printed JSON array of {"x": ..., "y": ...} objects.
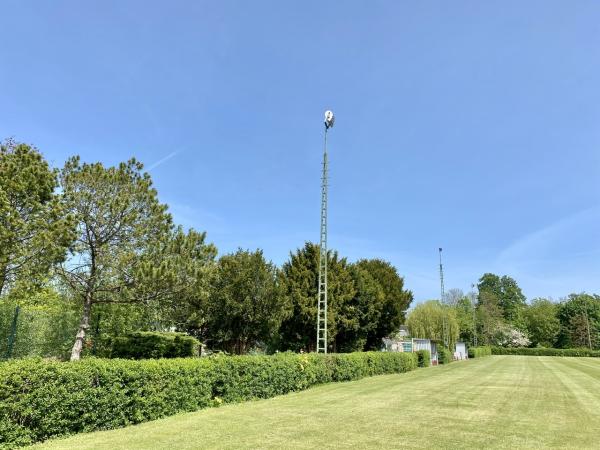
[{"x": 497, "y": 402}]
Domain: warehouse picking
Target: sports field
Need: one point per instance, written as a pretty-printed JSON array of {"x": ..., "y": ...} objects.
[{"x": 496, "y": 402}]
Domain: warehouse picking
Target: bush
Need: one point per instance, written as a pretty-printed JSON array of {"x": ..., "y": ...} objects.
[
  {"x": 546, "y": 351},
  {"x": 423, "y": 358},
  {"x": 41, "y": 399},
  {"x": 444, "y": 355},
  {"x": 480, "y": 352},
  {"x": 146, "y": 345}
]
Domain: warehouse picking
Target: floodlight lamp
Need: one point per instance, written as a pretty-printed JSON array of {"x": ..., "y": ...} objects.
[{"x": 329, "y": 119}]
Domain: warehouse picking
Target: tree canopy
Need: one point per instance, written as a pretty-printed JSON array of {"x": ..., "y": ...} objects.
[
  {"x": 35, "y": 229},
  {"x": 509, "y": 296},
  {"x": 118, "y": 218},
  {"x": 542, "y": 322},
  {"x": 429, "y": 319},
  {"x": 300, "y": 277},
  {"x": 246, "y": 307}
]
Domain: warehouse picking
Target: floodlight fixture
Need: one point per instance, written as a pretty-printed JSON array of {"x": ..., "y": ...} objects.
[{"x": 329, "y": 119}]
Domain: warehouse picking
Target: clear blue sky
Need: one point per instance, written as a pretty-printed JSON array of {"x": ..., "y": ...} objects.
[{"x": 468, "y": 125}]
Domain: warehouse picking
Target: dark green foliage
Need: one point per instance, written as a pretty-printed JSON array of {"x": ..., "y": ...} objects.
[
  {"x": 40, "y": 399},
  {"x": 423, "y": 358},
  {"x": 444, "y": 355},
  {"x": 362, "y": 313},
  {"x": 545, "y": 351},
  {"x": 247, "y": 304},
  {"x": 300, "y": 278},
  {"x": 480, "y": 352},
  {"x": 174, "y": 278},
  {"x": 391, "y": 312},
  {"x": 145, "y": 345}
]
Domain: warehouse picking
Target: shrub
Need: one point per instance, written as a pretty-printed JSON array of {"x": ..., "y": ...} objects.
[
  {"x": 145, "y": 345},
  {"x": 444, "y": 355},
  {"x": 40, "y": 399},
  {"x": 480, "y": 352},
  {"x": 423, "y": 358},
  {"x": 546, "y": 351}
]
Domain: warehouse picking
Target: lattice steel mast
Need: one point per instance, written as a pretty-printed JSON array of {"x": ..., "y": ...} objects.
[
  {"x": 444, "y": 327},
  {"x": 322, "y": 294}
]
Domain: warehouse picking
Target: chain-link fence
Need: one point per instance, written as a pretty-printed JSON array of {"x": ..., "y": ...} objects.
[{"x": 31, "y": 331}]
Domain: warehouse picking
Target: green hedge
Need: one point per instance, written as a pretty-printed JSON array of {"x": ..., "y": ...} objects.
[
  {"x": 444, "y": 355},
  {"x": 423, "y": 358},
  {"x": 41, "y": 399},
  {"x": 546, "y": 351},
  {"x": 480, "y": 352},
  {"x": 146, "y": 345}
]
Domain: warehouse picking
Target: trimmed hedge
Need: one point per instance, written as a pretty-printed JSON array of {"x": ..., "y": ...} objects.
[
  {"x": 423, "y": 358},
  {"x": 480, "y": 352},
  {"x": 147, "y": 344},
  {"x": 41, "y": 399},
  {"x": 546, "y": 351}
]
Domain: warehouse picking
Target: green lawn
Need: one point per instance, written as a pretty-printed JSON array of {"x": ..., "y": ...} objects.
[{"x": 496, "y": 402}]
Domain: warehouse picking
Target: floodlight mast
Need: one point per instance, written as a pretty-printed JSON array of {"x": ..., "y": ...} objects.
[{"x": 322, "y": 290}]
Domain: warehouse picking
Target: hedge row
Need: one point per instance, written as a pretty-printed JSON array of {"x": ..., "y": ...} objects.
[
  {"x": 423, "y": 358},
  {"x": 546, "y": 351},
  {"x": 479, "y": 352},
  {"x": 149, "y": 344},
  {"x": 444, "y": 355},
  {"x": 41, "y": 399}
]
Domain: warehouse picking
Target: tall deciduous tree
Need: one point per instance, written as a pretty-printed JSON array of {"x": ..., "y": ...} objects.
[
  {"x": 395, "y": 303},
  {"x": 300, "y": 277},
  {"x": 510, "y": 298},
  {"x": 35, "y": 229},
  {"x": 490, "y": 321},
  {"x": 246, "y": 307},
  {"x": 466, "y": 318},
  {"x": 579, "y": 317},
  {"x": 541, "y": 319},
  {"x": 118, "y": 218}
]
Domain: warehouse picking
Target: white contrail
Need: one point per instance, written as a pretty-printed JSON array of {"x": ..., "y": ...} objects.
[{"x": 162, "y": 160}]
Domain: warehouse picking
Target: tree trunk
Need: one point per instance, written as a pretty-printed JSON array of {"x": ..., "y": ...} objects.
[
  {"x": 2, "y": 277},
  {"x": 83, "y": 327}
]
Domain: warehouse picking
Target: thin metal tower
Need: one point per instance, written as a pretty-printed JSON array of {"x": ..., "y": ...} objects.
[
  {"x": 441, "y": 277},
  {"x": 322, "y": 295},
  {"x": 444, "y": 327},
  {"x": 474, "y": 314}
]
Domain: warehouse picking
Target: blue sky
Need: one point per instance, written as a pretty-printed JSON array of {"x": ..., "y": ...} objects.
[{"x": 468, "y": 125}]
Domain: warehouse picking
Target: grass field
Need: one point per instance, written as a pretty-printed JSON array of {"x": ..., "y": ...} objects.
[{"x": 496, "y": 402}]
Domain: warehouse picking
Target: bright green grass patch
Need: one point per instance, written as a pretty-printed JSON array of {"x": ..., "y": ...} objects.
[{"x": 496, "y": 402}]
